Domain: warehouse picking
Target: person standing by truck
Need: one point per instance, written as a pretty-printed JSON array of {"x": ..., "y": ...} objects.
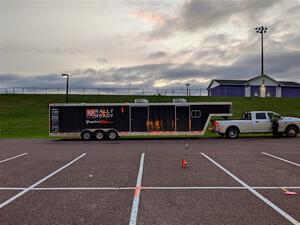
[{"x": 275, "y": 125}]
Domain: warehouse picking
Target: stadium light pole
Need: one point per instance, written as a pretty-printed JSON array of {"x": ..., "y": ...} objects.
[
  {"x": 187, "y": 88},
  {"x": 67, "y": 86},
  {"x": 262, "y": 30}
]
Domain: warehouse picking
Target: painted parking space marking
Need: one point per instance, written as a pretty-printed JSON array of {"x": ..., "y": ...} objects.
[
  {"x": 214, "y": 188},
  {"x": 141, "y": 188},
  {"x": 68, "y": 188},
  {"x": 282, "y": 159},
  {"x": 261, "y": 197},
  {"x": 40, "y": 181},
  {"x": 14, "y": 157},
  {"x": 137, "y": 192}
]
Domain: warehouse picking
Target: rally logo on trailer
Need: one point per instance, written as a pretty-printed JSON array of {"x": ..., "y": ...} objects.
[{"x": 99, "y": 113}]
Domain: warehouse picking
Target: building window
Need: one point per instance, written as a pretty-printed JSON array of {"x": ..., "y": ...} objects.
[{"x": 195, "y": 113}]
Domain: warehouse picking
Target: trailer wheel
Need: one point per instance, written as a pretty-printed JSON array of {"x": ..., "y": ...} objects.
[
  {"x": 86, "y": 135},
  {"x": 112, "y": 135},
  {"x": 99, "y": 135}
]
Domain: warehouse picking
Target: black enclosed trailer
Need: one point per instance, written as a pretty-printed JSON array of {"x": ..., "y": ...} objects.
[{"x": 111, "y": 120}]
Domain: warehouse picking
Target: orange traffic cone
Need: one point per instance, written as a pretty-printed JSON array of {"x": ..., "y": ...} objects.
[{"x": 184, "y": 163}]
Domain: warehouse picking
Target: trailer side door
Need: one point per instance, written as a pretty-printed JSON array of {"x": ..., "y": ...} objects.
[
  {"x": 182, "y": 118},
  {"x": 139, "y": 118}
]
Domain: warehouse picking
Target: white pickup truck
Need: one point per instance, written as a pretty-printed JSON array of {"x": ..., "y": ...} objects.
[{"x": 256, "y": 122}]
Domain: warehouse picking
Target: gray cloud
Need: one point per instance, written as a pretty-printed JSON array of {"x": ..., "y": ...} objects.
[
  {"x": 158, "y": 54},
  {"x": 102, "y": 60},
  {"x": 283, "y": 66},
  {"x": 201, "y": 14},
  {"x": 201, "y": 40},
  {"x": 56, "y": 50}
]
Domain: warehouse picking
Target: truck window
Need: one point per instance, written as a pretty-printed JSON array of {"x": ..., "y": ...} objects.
[
  {"x": 261, "y": 116},
  {"x": 270, "y": 115},
  {"x": 246, "y": 116}
]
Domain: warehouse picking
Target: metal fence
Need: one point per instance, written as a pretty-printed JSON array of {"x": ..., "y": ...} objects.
[{"x": 106, "y": 91}]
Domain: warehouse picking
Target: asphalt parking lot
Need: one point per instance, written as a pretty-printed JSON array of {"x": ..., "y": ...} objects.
[{"x": 142, "y": 182}]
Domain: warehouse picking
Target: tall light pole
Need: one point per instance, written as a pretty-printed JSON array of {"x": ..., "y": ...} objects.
[
  {"x": 67, "y": 86},
  {"x": 262, "y": 30},
  {"x": 187, "y": 88}
]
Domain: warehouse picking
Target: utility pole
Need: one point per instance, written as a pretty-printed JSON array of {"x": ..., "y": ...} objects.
[
  {"x": 262, "y": 30},
  {"x": 67, "y": 86},
  {"x": 187, "y": 88}
]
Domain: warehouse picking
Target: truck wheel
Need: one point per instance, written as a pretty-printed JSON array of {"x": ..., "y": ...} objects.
[
  {"x": 291, "y": 131},
  {"x": 86, "y": 135},
  {"x": 112, "y": 135},
  {"x": 232, "y": 133},
  {"x": 99, "y": 135}
]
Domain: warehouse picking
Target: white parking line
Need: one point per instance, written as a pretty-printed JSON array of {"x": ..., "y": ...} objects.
[
  {"x": 67, "y": 188},
  {"x": 214, "y": 188},
  {"x": 39, "y": 182},
  {"x": 83, "y": 188},
  {"x": 136, "y": 198},
  {"x": 261, "y": 197},
  {"x": 285, "y": 160},
  {"x": 143, "y": 188},
  {"x": 14, "y": 157}
]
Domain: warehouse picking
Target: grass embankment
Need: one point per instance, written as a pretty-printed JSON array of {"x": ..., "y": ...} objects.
[{"x": 26, "y": 116}]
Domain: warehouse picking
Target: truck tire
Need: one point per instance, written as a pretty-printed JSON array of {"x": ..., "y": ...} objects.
[
  {"x": 112, "y": 135},
  {"x": 291, "y": 131},
  {"x": 99, "y": 135},
  {"x": 232, "y": 132},
  {"x": 86, "y": 135}
]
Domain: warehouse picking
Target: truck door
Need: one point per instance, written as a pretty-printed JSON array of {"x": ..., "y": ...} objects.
[
  {"x": 182, "y": 118},
  {"x": 139, "y": 119},
  {"x": 261, "y": 123}
]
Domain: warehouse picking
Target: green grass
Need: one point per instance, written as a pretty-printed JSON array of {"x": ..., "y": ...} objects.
[{"x": 26, "y": 116}]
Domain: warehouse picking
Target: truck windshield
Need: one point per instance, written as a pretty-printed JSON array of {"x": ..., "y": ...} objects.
[{"x": 246, "y": 116}]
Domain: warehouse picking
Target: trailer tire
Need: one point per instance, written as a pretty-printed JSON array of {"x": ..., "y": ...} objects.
[
  {"x": 232, "y": 132},
  {"x": 99, "y": 135},
  {"x": 292, "y": 131},
  {"x": 112, "y": 135},
  {"x": 86, "y": 135}
]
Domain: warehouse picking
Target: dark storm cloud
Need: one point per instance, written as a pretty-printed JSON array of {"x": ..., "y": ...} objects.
[{"x": 197, "y": 14}]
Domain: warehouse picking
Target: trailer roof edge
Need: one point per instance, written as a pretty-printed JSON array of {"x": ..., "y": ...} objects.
[{"x": 139, "y": 104}]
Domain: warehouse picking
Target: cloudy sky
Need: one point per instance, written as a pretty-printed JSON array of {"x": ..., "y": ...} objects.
[{"x": 149, "y": 43}]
